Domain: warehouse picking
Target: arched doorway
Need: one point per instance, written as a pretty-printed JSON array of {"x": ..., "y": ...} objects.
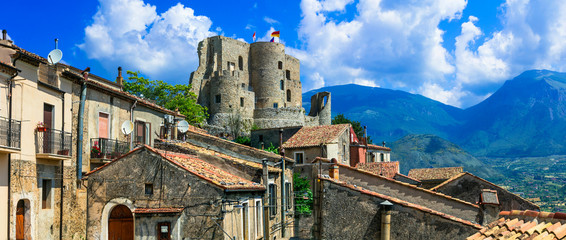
[
  {"x": 121, "y": 224},
  {"x": 22, "y": 220}
]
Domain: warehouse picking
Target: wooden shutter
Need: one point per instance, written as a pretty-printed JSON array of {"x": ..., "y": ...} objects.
[{"x": 103, "y": 125}]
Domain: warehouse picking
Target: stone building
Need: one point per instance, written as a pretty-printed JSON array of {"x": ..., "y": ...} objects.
[
  {"x": 328, "y": 141},
  {"x": 256, "y": 81},
  {"x": 168, "y": 195}
]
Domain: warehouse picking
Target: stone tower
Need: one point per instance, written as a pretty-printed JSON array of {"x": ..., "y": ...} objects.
[{"x": 257, "y": 81}]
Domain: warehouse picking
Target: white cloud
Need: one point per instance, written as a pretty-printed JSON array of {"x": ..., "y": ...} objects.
[
  {"x": 132, "y": 34},
  {"x": 438, "y": 93},
  {"x": 270, "y": 20}
]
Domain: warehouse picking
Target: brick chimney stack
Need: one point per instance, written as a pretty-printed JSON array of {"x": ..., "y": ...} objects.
[
  {"x": 333, "y": 171},
  {"x": 489, "y": 206},
  {"x": 4, "y": 34},
  {"x": 119, "y": 79}
]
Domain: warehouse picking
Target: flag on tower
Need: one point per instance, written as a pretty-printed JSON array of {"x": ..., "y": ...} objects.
[
  {"x": 272, "y": 39},
  {"x": 275, "y": 34},
  {"x": 254, "y": 37}
]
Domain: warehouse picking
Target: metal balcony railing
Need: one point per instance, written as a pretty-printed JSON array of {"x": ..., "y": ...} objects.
[
  {"x": 104, "y": 148},
  {"x": 51, "y": 141},
  {"x": 10, "y": 133}
]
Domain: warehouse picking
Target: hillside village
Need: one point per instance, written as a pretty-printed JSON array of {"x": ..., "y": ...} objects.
[{"x": 80, "y": 158}]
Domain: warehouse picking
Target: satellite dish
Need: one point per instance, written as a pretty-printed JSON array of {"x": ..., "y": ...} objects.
[
  {"x": 55, "y": 56},
  {"x": 127, "y": 127},
  {"x": 183, "y": 126}
]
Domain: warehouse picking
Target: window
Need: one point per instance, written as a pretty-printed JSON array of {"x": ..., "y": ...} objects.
[
  {"x": 280, "y": 65},
  {"x": 288, "y": 95},
  {"x": 103, "y": 128},
  {"x": 243, "y": 86},
  {"x": 231, "y": 67},
  {"x": 382, "y": 157},
  {"x": 241, "y": 102},
  {"x": 288, "y": 74},
  {"x": 46, "y": 194},
  {"x": 148, "y": 189},
  {"x": 282, "y": 85},
  {"x": 299, "y": 157},
  {"x": 245, "y": 221},
  {"x": 260, "y": 138},
  {"x": 141, "y": 133},
  {"x": 272, "y": 199},
  {"x": 258, "y": 219},
  {"x": 275, "y": 105},
  {"x": 241, "y": 63},
  {"x": 164, "y": 231},
  {"x": 288, "y": 198},
  {"x": 217, "y": 98}
]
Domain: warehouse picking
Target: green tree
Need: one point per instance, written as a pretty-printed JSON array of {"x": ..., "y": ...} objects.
[
  {"x": 303, "y": 195},
  {"x": 167, "y": 95},
  {"x": 357, "y": 126}
]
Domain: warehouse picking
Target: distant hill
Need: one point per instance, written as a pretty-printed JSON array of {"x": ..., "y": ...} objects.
[
  {"x": 427, "y": 151},
  {"x": 525, "y": 117}
]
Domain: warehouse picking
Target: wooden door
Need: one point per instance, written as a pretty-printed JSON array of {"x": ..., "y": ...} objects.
[
  {"x": 121, "y": 224},
  {"x": 103, "y": 125},
  {"x": 48, "y": 123},
  {"x": 20, "y": 220}
]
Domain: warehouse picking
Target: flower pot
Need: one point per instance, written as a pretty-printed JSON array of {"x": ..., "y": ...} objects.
[{"x": 41, "y": 129}]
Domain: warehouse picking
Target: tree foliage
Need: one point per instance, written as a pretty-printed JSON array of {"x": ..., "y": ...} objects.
[
  {"x": 357, "y": 126},
  {"x": 303, "y": 195},
  {"x": 167, "y": 95}
]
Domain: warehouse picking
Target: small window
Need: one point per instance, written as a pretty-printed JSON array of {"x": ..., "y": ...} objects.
[
  {"x": 272, "y": 199},
  {"x": 288, "y": 95},
  {"x": 241, "y": 102},
  {"x": 282, "y": 85},
  {"x": 243, "y": 86},
  {"x": 299, "y": 157},
  {"x": 218, "y": 98},
  {"x": 46, "y": 194},
  {"x": 258, "y": 219},
  {"x": 288, "y": 193},
  {"x": 241, "y": 63},
  {"x": 280, "y": 65},
  {"x": 260, "y": 138},
  {"x": 148, "y": 189},
  {"x": 288, "y": 74},
  {"x": 382, "y": 157},
  {"x": 275, "y": 105}
]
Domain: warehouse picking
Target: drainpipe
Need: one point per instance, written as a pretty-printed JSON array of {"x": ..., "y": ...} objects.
[
  {"x": 386, "y": 220},
  {"x": 10, "y": 81},
  {"x": 266, "y": 231},
  {"x": 132, "y": 120},
  {"x": 282, "y": 152},
  {"x": 62, "y": 168},
  {"x": 81, "y": 125}
]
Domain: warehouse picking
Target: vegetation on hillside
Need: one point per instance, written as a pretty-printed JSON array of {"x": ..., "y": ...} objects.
[{"x": 169, "y": 96}]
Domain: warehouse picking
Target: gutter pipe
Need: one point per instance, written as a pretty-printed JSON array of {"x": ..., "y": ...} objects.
[
  {"x": 9, "y": 137},
  {"x": 81, "y": 125}
]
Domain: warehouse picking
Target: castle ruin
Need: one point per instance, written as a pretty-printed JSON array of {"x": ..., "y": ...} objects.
[{"x": 257, "y": 81}]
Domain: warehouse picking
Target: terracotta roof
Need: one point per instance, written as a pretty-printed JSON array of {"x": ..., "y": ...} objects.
[
  {"x": 398, "y": 182},
  {"x": 457, "y": 176},
  {"x": 157, "y": 210},
  {"x": 405, "y": 176},
  {"x": 224, "y": 156},
  {"x": 197, "y": 167},
  {"x": 371, "y": 146},
  {"x": 404, "y": 203},
  {"x": 423, "y": 174},
  {"x": 525, "y": 225},
  {"x": 316, "y": 136},
  {"x": 386, "y": 169}
]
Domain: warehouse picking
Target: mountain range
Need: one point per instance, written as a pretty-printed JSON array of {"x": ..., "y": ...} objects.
[{"x": 525, "y": 117}]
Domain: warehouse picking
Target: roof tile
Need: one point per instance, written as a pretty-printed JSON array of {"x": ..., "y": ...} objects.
[
  {"x": 435, "y": 173},
  {"x": 316, "y": 136}
]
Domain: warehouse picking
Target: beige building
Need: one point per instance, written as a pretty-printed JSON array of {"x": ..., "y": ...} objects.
[{"x": 327, "y": 141}]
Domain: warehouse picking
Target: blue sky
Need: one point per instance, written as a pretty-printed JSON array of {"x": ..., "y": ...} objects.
[{"x": 455, "y": 51}]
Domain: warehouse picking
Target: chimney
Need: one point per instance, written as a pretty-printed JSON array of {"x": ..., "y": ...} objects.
[
  {"x": 333, "y": 171},
  {"x": 386, "y": 207},
  {"x": 119, "y": 79},
  {"x": 489, "y": 206},
  {"x": 4, "y": 34},
  {"x": 383, "y": 143}
]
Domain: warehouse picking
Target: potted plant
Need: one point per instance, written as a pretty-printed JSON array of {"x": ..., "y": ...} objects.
[
  {"x": 41, "y": 127},
  {"x": 95, "y": 151}
]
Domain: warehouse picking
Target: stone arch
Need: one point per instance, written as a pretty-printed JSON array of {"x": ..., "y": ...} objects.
[
  {"x": 107, "y": 210},
  {"x": 23, "y": 219}
]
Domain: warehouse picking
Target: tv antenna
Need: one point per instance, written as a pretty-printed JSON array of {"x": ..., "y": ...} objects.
[
  {"x": 55, "y": 55},
  {"x": 127, "y": 127}
]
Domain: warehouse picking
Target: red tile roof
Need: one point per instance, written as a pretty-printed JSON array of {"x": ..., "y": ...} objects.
[
  {"x": 404, "y": 203},
  {"x": 386, "y": 169},
  {"x": 157, "y": 210},
  {"x": 405, "y": 176},
  {"x": 316, "y": 136},
  {"x": 423, "y": 174},
  {"x": 524, "y": 225},
  {"x": 198, "y": 167},
  {"x": 371, "y": 146}
]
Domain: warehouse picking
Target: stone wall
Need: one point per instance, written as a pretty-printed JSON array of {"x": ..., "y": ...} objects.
[
  {"x": 350, "y": 214},
  {"x": 278, "y": 117}
]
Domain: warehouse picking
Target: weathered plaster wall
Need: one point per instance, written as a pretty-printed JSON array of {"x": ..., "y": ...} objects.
[{"x": 349, "y": 214}]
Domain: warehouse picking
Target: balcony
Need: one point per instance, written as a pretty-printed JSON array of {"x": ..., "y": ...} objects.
[
  {"x": 52, "y": 144},
  {"x": 10, "y": 135},
  {"x": 104, "y": 149}
]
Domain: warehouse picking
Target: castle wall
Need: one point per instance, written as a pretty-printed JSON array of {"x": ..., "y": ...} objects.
[{"x": 280, "y": 117}]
